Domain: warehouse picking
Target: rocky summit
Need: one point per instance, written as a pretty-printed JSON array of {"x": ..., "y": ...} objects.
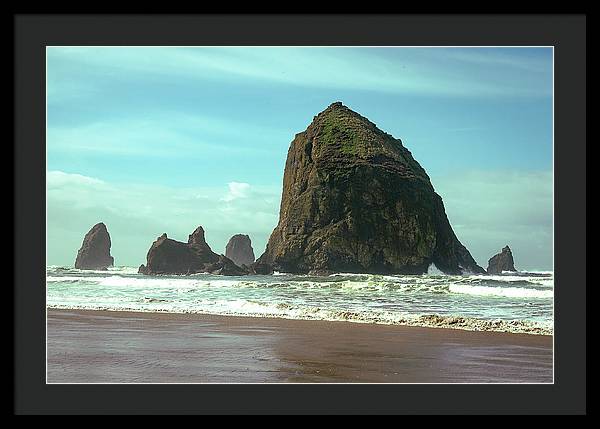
[
  {"x": 168, "y": 256},
  {"x": 239, "y": 250},
  {"x": 502, "y": 261},
  {"x": 355, "y": 200},
  {"x": 94, "y": 253}
]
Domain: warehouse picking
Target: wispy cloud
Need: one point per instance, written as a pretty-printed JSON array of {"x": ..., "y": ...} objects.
[
  {"x": 168, "y": 134},
  {"x": 137, "y": 214},
  {"x": 236, "y": 190},
  {"x": 357, "y": 69},
  {"x": 58, "y": 179},
  {"x": 498, "y": 57}
]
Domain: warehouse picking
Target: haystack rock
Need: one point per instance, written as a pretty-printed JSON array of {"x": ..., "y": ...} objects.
[
  {"x": 355, "y": 200},
  {"x": 94, "y": 253},
  {"x": 239, "y": 250},
  {"x": 502, "y": 261},
  {"x": 168, "y": 256}
]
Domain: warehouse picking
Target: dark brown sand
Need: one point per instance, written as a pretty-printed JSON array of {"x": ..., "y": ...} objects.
[{"x": 121, "y": 347}]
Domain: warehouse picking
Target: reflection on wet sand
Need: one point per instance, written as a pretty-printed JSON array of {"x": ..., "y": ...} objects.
[{"x": 119, "y": 347}]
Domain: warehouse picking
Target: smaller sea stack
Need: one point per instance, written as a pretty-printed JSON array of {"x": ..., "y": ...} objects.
[
  {"x": 94, "y": 253},
  {"x": 502, "y": 261},
  {"x": 168, "y": 256},
  {"x": 239, "y": 250}
]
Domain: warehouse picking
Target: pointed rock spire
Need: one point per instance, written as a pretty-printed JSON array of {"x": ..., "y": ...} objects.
[
  {"x": 94, "y": 253},
  {"x": 502, "y": 261}
]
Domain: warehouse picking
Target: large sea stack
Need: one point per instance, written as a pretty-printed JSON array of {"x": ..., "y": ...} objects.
[
  {"x": 94, "y": 253},
  {"x": 502, "y": 261},
  {"x": 168, "y": 256},
  {"x": 239, "y": 250},
  {"x": 355, "y": 200}
]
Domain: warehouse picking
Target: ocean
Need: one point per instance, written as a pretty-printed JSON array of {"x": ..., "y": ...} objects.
[{"x": 512, "y": 302}]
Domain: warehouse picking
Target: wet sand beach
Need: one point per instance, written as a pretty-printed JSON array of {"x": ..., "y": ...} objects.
[{"x": 85, "y": 346}]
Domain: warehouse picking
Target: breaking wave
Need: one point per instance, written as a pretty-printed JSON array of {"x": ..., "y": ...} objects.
[
  {"x": 513, "y": 292},
  {"x": 519, "y": 302}
]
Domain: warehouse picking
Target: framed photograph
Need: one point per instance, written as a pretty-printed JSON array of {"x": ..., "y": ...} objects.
[{"x": 230, "y": 214}]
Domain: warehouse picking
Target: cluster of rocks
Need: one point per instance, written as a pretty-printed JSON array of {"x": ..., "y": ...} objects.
[
  {"x": 354, "y": 200},
  {"x": 168, "y": 256}
]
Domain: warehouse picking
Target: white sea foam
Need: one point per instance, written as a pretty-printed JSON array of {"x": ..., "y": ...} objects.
[
  {"x": 144, "y": 282},
  {"x": 245, "y": 308},
  {"x": 347, "y": 275},
  {"x": 512, "y": 292},
  {"x": 60, "y": 279},
  {"x": 123, "y": 270},
  {"x": 544, "y": 281},
  {"x": 110, "y": 270},
  {"x": 277, "y": 273},
  {"x": 433, "y": 270}
]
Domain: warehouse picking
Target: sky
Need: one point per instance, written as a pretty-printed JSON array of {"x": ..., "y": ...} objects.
[{"x": 153, "y": 140}]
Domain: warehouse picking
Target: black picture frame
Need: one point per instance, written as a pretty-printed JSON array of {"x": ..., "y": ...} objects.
[{"x": 567, "y": 33}]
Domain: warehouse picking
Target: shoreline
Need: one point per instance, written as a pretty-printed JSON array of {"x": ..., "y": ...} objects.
[
  {"x": 432, "y": 321},
  {"x": 142, "y": 347}
]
